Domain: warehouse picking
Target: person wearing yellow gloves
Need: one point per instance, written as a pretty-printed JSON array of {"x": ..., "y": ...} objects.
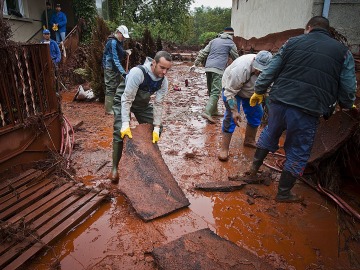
[
  {"x": 58, "y": 24},
  {"x": 311, "y": 73},
  {"x": 141, "y": 83}
]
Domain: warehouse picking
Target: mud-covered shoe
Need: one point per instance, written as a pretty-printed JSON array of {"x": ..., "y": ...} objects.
[
  {"x": 114, "y": 177},
  {"x": 249, "y": 178},
  {"x": 209, "y": 118},
  {"x": 290, "y": 198}
]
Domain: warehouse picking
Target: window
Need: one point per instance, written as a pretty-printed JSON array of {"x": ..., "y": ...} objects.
[{"x": 14, "y": 8}]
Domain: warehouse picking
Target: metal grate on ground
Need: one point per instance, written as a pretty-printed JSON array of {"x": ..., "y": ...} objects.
[{"x": 35, "y": 209}]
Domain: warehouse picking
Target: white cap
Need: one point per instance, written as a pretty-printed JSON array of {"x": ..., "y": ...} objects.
[{"x": 123, "y": 30}]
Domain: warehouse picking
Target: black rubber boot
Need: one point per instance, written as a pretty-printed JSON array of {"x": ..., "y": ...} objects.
[
  {"x": 116, "y": 156},
  {"x": 286, "y": 183},
  {"x": 260, "y": 155}
]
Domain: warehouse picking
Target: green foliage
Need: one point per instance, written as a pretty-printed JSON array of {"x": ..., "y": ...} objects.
[
  {"x": 168, "y": 20},
  {"x": 149, "y": 46},
  {"x": 94, "y": 60},
  {"x": 85, "y": 10},
  {"x": 209, "y": 20},
  {"x": 206, "y": 37}
]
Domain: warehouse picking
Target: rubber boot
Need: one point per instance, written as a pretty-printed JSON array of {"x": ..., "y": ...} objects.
[
  {"x": 250, "y": 135},
  {"x": 286, "y": 183},
  {"x": 217, "y": 114},
  {"x": 109, "y": 101},
  {"x": 259, "y": 156},
  {"x": 224, "y": 151},
  {"x": 116, "y": 156},
  {"x": 210, "y": 108}
]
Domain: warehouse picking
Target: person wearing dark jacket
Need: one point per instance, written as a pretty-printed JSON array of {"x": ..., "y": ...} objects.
[
  {"x": 311, "y": 73},
  {"x": 216, "y": 55},
  {"x": 114, "y": 73},
  {"x": 46, "y": 18}
]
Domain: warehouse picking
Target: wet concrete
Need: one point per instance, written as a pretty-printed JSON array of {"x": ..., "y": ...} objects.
[{"x": 289, "y": 236}]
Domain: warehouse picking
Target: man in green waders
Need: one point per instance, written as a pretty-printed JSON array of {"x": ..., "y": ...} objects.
[
  {"x": 215, "y": 56},
  {"x": 114, "y": 73},
  {"x": 142, "y": 82}
]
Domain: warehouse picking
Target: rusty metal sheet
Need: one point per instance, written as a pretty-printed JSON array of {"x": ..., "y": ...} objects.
[
  {"x": 332, "y": 134},
  {"x": 224, "y": 186},
  {"x": 146, "y": 180},
  {"x": 204, "y": 249}
]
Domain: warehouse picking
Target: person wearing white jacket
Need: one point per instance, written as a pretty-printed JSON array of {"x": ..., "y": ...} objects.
[{"x": 237, "y": 87}]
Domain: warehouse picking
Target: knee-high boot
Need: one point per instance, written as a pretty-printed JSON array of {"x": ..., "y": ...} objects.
[
  {"x": 224, "y": 151},
  {"x": 260, "y": 155},
  {"x": 116, "y": 156},
  {"x": 286, "y": 183}
]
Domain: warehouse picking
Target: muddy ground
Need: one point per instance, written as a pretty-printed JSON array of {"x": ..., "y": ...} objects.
[{"x": 289, "y": 236}]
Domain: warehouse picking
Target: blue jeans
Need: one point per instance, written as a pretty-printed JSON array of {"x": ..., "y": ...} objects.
[
  {"x": 300, "y": 133},
  {"x": 60, "y": 36},
  {"x": 253, "y": 114}
]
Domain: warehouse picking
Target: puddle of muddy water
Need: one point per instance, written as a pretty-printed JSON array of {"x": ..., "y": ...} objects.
[{"x": 113, "y": 237}]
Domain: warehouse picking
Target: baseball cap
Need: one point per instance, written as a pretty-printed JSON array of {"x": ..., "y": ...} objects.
[
  {"x": 229, "y": 30},
  {"x": 46, "y": 31},
  {"x": 123, "y": 30},
  {"x": 262, "y": 60}
]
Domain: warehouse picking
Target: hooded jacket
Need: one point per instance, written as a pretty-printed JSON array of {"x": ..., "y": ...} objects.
[
  {"x": 133, "y": 94},
  {"x": 217, "y": 53}
]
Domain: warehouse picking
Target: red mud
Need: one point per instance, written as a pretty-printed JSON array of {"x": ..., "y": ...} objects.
[{"x": 289, "y": 236}]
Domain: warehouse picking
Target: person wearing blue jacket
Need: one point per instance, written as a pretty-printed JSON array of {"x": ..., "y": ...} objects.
[
  {"x": 54, "y": 48},
  {"x": 114, "y": 73},
  {"x": 58, "y": 22},
  {"x": 311, "y": 73}
]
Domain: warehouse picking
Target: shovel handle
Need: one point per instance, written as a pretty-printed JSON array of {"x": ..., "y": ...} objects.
[{"x": 127, "y": 63}]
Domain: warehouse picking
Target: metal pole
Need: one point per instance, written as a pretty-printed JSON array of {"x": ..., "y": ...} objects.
[{"x": 326, "y": 7}]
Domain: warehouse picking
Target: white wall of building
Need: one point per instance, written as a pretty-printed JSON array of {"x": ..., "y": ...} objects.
[{"x": 258, "y": 18}]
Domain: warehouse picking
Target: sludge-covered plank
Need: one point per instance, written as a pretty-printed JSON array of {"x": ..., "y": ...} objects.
[
  {"x": 26, "y": 198},
  {"x": 6, "y": 182},
  {"x": 13, "y": 186},
  {"x": 62, "y": 228},
  {"x": 59, "y": 215},
  {"x": 145, "y": 179},
  {"x": 224, "y": 186},
  {"x": 203, "y": 250}
]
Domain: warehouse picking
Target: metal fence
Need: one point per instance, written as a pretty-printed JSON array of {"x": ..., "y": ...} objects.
[
  {"x": 27, "y": 84},
  {"x": 30, "y": 113}
]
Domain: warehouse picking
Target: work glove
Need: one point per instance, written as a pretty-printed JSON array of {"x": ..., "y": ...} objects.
[
  {"x": 55, "y": 27},
  {"x": 192, "y": 68},
  {"x": 156, "y": 134},
  {"x": 256, "y": 99},
  {"x": 125, "y": 130},
  {"x": 44, "y": 27},
  {"x": 128, "y": 51},
  {"x": 236, "y": 116},
  {"x": 232, "y": 103}
]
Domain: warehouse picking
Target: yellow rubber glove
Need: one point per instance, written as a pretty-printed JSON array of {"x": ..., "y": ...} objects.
[
  {"x": 55, "y": 27},
  {"x": 156, "y": 134},
  {"x": 125, "y": 130},
  {"x": 256, "y": 99},
  {"x": 44, "y": 27}
]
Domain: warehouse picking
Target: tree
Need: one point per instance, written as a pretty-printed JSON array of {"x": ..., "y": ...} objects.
[{"x": 85, "y": 10}]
